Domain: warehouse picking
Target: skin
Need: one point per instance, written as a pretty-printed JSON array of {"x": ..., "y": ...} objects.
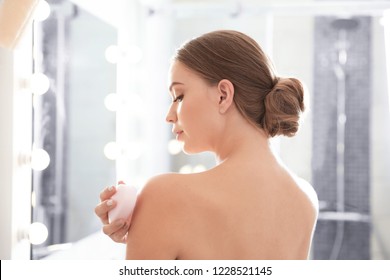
[{"x": 250, "y": 206}]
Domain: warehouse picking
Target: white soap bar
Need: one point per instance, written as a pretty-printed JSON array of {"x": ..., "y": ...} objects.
[{"x": 125, "y": 197}]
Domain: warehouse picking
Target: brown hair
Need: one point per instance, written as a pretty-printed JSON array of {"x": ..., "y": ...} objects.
[{"x": 272, "y": 103}]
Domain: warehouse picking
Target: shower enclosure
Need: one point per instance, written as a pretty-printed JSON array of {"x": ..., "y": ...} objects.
[{"x": 341, "y": 173}]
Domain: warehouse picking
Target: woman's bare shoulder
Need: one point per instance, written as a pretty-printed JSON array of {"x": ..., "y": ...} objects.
[
  {"x": 161, "y": 191},
  {"x": 168, "y": 185},
  {"x": 308, "y": 189}
]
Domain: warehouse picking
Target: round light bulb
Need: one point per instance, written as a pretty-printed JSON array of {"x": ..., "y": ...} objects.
[
  {"x": 39, "y": 83},
  {"x": 42, "y": 11},
  {"x": 40, "y": 159},
  {"x": 111, "y": 150},
  {"x": 37, "y": 233},
  {"x": 112, "y": 102},
  {"x": 186, "y": 169},
  {"x": 174, "y": 147},
  {"x": 199, "y": 168}
]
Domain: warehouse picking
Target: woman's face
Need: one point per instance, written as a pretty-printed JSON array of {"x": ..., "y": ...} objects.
[{"x": 194, "y": 109}]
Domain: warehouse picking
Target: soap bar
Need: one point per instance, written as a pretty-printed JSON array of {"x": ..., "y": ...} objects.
[{"x": 125, "y": 197}]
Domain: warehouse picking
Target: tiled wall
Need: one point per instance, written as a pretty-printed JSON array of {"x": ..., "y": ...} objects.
[{"x": 356, "y": 239}]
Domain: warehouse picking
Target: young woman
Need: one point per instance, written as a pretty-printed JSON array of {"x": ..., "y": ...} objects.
[{"x": 226, "y": 99}]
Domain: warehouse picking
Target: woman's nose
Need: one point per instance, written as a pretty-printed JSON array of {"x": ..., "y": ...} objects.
[{"x": 171, "y": 115}]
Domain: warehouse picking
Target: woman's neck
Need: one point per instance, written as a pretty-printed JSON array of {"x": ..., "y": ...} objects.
[{"x": 242, "y": 140}]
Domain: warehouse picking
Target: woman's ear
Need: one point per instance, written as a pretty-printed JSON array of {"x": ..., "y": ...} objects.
[{"x": 226, "y": 94}]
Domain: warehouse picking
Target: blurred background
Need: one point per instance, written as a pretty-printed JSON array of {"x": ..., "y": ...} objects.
[{"x": 85, "y": 95}]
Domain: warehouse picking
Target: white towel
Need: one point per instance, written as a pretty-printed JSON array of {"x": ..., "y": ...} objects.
[{"x": 15, "y": 16}]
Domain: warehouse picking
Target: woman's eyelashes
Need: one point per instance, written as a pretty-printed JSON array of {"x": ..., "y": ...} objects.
[{"x": 178, "y": 98}]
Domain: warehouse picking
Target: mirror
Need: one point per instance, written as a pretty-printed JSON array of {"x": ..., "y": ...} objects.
[{"x": 72, "y": 123}]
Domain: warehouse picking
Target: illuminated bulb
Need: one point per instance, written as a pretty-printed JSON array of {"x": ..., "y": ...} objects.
[
  {"x": 112, "y": 54},
  {"x": 199, "y": 168},
  {"x": 40, "y": 159},
  {"x": 112, "y": 102},
  {"x": 42, "y": 11},
  {"x": 111, "y": 150},
  {"x": 186, "y": 169},
  {"x": 174, "y": 147},
  {"x": 37, "y": 233},
  {"x": 39, "y": 83}
]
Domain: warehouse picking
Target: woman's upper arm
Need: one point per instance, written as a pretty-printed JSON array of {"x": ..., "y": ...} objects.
[{"x": 155, "y": 223}]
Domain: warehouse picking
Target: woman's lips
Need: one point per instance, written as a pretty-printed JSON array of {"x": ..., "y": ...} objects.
[{"x": 178, "y": 133}]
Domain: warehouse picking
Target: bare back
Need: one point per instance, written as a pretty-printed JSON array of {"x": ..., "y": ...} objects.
[{"x": 235, "y": 212}]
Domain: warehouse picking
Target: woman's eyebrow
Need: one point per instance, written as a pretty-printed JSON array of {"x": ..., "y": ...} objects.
[{"x": 174, "y": 84}]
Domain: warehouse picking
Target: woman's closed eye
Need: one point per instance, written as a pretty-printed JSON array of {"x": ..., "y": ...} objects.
[{"x": 178, "y": 98}]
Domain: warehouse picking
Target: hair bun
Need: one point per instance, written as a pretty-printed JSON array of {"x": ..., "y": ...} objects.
[{"x": 283, "y": 107}]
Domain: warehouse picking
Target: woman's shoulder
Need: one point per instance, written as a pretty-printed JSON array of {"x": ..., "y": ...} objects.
[
  {"x": 166, "y": 183},
  {"x": 159, "y": 189},
  {"x": 308, "y": 189},
  {"x": 169, "y": 188}
]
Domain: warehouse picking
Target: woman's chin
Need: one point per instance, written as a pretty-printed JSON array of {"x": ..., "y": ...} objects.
[{"x": 188, "y": 150}]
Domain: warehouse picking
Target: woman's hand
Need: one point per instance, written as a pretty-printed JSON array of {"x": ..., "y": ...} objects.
[{"x": 117, "y": 230}]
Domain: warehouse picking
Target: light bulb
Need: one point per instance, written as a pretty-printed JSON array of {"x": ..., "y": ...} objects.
[
  {"x": 186, "y": 169},
  {"x": 39, "y": 83},
  {"x": 37, "y": 233},
  {"x": 174, "y": 147},
  {"x": 42, "y": 12},
  {"x": 112, "y": 102},
  {"x": 199, "y": 168},
  {"x": 111, "y": 150},
  {"x": 40, "y": 159}
]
